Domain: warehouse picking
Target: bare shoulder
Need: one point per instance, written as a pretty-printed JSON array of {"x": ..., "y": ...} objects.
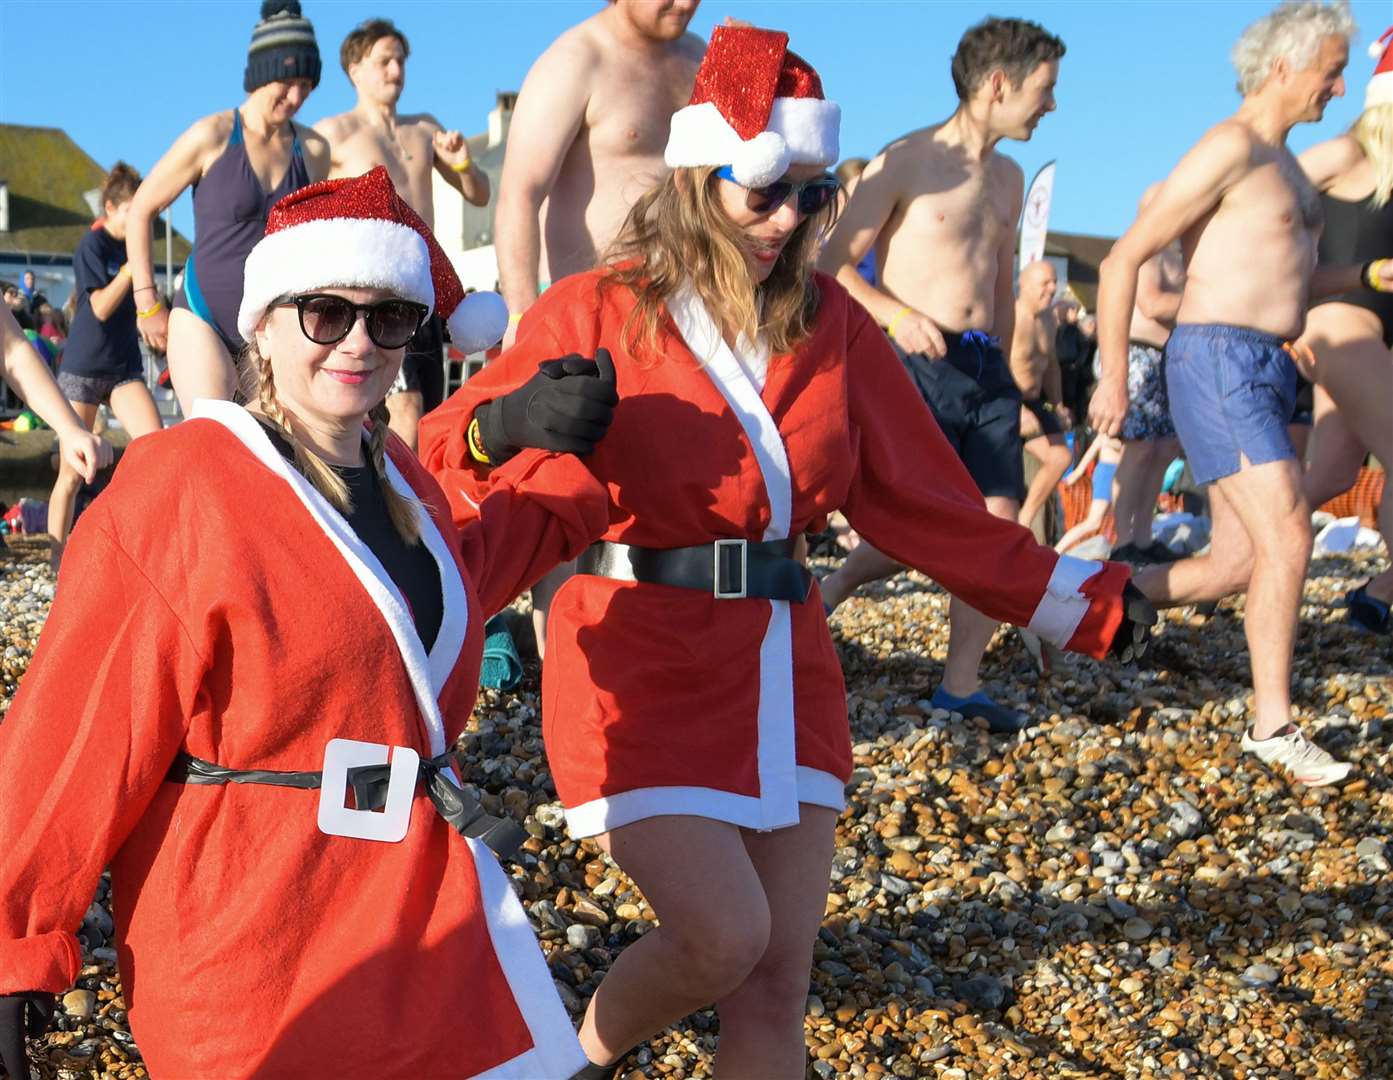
[
  {"x": 1230, "y": 140},
  {"x": 1327, "y": 161},
  {"x": 422, "y": 120},
  {"x": 337, "y": 128},
  {"x": 1008, "y": 171},
  {"x": 692, "y": 47},
  {"x": 581, "y": 45},
  {"x": 316, "y": 142},
  {"x": 212, "y": 131}
]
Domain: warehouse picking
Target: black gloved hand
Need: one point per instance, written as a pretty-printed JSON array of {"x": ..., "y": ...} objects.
[
  {"x": 29, "y": 1012},
  {"x": 565, "y": 407},
  {"x": 1133, "y": 635}
]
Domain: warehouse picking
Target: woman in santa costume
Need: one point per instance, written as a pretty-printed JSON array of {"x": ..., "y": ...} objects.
[
  {"x": 694, "y": 709},
  {"x": 270, "y": 609}
]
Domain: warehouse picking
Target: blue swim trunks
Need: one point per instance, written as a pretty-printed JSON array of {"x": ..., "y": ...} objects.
[
  {"x": 1231, "y": 393},
  {"x": 1103, "y": 473}
]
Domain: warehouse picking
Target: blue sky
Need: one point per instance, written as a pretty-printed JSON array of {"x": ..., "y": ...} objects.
[{"x": 1140, "y": 82}]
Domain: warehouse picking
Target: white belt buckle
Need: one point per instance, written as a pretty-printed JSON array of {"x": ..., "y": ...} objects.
[{"x": 390, "y": 823}]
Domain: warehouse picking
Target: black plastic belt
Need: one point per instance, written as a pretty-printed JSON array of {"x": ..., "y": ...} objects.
[
  {"x": 503, "y": 836},
  {"x": 728, "y": 569}
]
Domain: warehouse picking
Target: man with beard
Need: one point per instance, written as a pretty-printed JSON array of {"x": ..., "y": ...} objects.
[{"x": 586, "y": 140}]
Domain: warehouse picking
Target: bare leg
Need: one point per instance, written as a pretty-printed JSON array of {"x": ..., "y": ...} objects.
[
  {"x": 1097, "y": 510},
  {"x": 542, "y": 595},
  {"x": 1264, "y": 505},
  {"x": 404, "y": 413},
  {"x": 715, "y": 927},
  {"x": 862, "y": 566},
  {"x": 1356, "y": 374},
  {"x": 1224, "y": 570},
  {"x": 762, "y": 1020},
  {"x": 1136, "y": 458},
  {"x": 1055, "y": 457},
  {"x": 63, "y": 499},
  {"x": 199, "y": 366},
  {"x": 969, "y": 631},
  {"x": 135, "y": 408}
]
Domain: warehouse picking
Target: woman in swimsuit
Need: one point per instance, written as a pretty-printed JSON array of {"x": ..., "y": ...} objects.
[
  {"x": 239, "y": 164},
  {"x": 1347, "y": 340}
]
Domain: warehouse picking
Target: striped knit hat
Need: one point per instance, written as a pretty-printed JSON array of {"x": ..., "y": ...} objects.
[{"x": 282, "y": 48}]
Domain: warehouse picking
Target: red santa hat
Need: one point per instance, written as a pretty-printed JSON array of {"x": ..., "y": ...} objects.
[
  {"x": 756, "y": 107},
  {"x": 358, "y": 232},
  {"x": 1380, "y": 91}
]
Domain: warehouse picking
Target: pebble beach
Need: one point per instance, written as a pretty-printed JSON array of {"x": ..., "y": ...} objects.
[{"x": 1114, "y": 892}]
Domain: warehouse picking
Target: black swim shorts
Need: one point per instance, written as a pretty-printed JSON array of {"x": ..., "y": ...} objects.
[{"x": 977, "y": 404}]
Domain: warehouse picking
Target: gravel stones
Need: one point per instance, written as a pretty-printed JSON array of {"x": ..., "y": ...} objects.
[{"x": 980, "y": 922}]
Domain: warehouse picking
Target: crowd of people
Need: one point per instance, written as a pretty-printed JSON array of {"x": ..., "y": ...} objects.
[{"x": 711, "y": 347}]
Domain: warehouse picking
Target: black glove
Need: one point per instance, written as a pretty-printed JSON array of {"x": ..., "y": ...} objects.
[
  {"x": 565, "y": 407},
  {"x": 28, "y": 1012},
  {"x": 1138, "y": 617}
]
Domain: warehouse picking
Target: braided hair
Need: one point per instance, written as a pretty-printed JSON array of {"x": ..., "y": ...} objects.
[{"x": 259, "y": 386}]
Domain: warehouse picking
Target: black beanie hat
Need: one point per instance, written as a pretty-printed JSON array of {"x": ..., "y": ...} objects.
[{"x": 282, "y": 48}]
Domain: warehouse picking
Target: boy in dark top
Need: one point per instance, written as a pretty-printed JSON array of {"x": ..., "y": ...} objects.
[{"x": 101, "y": 360}]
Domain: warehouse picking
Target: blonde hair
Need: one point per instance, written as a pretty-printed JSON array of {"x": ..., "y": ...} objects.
[
  {"x": 677, "y": 232},
  {"x": 1373, "y": 131},
  {"x": 259, "y": 386},
  {"x": 1293, "y": 32}
]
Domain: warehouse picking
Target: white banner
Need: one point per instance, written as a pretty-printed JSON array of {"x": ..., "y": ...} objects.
[{"x": 1035, "y": 216}]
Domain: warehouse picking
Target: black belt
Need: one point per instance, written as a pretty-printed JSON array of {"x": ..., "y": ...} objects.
[
  {"x": 728, "y": 569},
  {"x": 369, "y": 782}
]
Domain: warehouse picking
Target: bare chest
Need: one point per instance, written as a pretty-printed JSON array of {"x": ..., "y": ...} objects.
[
  {"x": 630, "y": 110},
  {"x": 406, "y": 151},
  {"x": 958, "y": 206},
  {"x": 1275, "y": 200}
]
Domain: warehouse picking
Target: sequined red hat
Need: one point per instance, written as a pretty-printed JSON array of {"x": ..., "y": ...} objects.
[
  {"x": 358, "y": 232},
  {"x": 756, "y": 107},
  {"x": 1380, "y": 91}
]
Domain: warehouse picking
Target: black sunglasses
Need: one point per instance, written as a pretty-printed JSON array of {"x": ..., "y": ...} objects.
[
  {"x": 327, "y": 319},
  {"x": 813, "y": 195}
]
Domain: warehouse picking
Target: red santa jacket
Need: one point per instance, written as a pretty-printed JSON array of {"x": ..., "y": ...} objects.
[
  {"x": 666, "y": 700},
  {"x": 212, "y": 602}
]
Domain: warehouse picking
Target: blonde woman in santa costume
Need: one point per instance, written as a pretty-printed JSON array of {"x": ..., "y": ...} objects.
[
  {"x": 1348, "y": 338},
  {"x": 694, "y": 713},
  {"x": 294, "y": 614}
]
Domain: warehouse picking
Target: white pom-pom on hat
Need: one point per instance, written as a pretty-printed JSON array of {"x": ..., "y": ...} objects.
[
  {"x": 478, "y": 322},
  {"x": 761, "y": 160}
]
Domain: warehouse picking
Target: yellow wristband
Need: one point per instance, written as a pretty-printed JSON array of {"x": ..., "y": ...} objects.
[
  {"x": 153, "y": 309},
  {"x": 462, "y": 166},
  {"x": 1371, "y": 276},
  {"x": 895, "y": 319},
  {"x": 514, "y": 317},
  {"x": 123, "y": 271},
  {"x": 476, "y": 443}
]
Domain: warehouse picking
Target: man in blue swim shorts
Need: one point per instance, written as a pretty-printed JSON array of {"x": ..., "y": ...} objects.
[{"x": 1248, "y": 220}]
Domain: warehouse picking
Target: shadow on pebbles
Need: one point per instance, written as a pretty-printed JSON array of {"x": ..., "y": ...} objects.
[{"x": 1113, "y": 893}]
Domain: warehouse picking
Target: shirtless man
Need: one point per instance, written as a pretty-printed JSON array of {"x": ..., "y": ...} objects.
[
  {"x": 1035, "y": 368},
  {"x": 586, "y": 140},
  {"x": 373, "y": 133},
  {"x": 940, "y": 208},
  {"x": 1248, "y": 221}
]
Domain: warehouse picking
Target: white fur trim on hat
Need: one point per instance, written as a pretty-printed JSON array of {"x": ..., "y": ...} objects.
[
  {"x": 363, "y": 253},
  {"x": 1380, "y": 91},
  {"x": 478, "y": 322},
  {"x": 804, "y": 132}
]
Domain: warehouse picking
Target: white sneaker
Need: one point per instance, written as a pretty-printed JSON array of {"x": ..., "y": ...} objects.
[{"x": 1290, "y": 749}]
